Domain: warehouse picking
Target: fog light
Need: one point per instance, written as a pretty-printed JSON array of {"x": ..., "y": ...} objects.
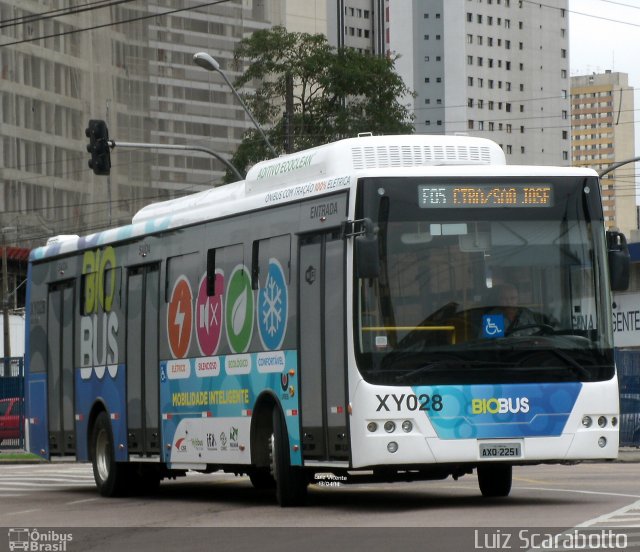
[
  {"x": 392, "y": 447},
  {"x": 602, "y": 421},
  {"x": 602, "y": 442},
  {"x": 389, "y": 427},
  {"x": 587, "y": 421},
  {"x": 407, "y": 426},
  {"x": 614, "y": 421},
  {"x": 372, "y": 427}
]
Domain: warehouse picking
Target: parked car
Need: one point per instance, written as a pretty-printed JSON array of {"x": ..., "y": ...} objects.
[{"x": 10, "y": 418}]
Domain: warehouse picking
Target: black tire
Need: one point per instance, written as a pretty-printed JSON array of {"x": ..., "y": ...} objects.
[
  {"x": 291, "y": 481},
  {"x": 262, "y": 480},
  {"x": 111, "y": 477},
  {"x": 495, "y": 479}
]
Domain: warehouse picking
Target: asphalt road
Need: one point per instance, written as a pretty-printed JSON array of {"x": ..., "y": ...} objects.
[{"x": 223, "y": 512}]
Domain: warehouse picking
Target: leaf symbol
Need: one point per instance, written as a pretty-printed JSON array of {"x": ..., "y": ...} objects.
[{"x": 239, "y": 311}]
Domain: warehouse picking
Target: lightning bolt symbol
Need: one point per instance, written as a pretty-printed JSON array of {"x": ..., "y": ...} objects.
[{"x": 179, "y": 319}]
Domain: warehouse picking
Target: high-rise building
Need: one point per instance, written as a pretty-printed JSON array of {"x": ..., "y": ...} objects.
[
  {"x": 602, "y": 133},
  {"x": 496, "y": 69},
  {"x": 129, "y": 64}
]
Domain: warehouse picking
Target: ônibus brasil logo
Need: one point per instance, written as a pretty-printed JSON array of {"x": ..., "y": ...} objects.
[
  {"x": 38, "y": 541},
  {"x": 239, "y": 310}
]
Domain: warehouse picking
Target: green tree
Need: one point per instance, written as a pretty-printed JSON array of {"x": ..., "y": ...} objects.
[{"x": 337, "y": 93}]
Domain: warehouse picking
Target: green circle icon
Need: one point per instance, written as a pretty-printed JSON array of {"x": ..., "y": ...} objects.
[{"x": 239, "y": 310}]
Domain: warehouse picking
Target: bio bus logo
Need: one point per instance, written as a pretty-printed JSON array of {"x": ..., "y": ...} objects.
[
  {"x": 99, "y": 323},
  {"x": 501, "y": 405}
]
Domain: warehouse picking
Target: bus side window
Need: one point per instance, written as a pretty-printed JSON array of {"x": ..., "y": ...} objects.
[
  {"x": 184, "y": 266},
  {"x": 279, "y": 248}
]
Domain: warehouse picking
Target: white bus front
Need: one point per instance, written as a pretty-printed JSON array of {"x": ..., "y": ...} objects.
[{"x": 483, "y": 335}]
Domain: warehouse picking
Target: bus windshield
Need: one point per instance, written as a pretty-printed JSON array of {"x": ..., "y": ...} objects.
[{"x": 484, "y": 281}]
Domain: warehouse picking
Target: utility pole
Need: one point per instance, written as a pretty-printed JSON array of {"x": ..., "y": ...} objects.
[
  {"x": 288, "y": 130},
  {"x": 5, "y": 306}
]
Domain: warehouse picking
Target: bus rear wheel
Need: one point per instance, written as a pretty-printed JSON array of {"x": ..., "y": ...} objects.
[
  {"x": 111, "y": 477},
  {"x": 495, "y": 479},
  {"x": 291, "y": 481}
]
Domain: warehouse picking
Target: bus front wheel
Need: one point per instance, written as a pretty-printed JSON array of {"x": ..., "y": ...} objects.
[
  {"x": 110, "y": 476},
  {"x": 291, "y": 482},
  {"x": 495, "y": 479}
]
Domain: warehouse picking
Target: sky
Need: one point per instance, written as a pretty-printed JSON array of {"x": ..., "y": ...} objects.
[
  {"x": 605, "y": 34},
  {"x": 618, "y": 25}
]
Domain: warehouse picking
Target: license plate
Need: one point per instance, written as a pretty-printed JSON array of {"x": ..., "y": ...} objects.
[{"x": 500, "y": 450}]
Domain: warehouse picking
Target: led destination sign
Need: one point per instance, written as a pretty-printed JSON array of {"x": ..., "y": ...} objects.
[{"x": 485, "y": 195}]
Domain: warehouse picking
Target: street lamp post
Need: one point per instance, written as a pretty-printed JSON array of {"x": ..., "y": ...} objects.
[{"x": 204, "y": 60}]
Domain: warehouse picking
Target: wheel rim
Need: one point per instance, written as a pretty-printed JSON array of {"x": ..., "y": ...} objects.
[{"x": 103, "y": 455}]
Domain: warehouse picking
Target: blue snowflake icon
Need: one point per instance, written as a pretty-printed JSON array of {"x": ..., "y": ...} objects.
[{"x": 273, "y": 307}]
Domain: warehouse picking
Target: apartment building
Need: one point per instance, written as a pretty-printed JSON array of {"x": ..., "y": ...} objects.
[
  {"x": 602, "y": 133},
  {"x": 129, "y": 64},
  {"x": 491, "y": 68}
]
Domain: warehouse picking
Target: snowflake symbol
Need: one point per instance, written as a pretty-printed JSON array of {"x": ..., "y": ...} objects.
[{"x": 272, "y": 306}]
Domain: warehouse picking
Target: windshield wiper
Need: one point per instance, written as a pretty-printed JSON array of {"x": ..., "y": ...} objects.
[{"x": 573, "y": 364}]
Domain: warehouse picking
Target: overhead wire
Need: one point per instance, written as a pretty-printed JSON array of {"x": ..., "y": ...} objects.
[
  {"x": 70, "y": 10},
  {"x": 108, "y": 3}
]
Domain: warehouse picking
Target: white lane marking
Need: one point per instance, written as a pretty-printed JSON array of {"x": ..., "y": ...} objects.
[
  {"x": 611, "y": 516},
  {"x": 579, "y": 491}
]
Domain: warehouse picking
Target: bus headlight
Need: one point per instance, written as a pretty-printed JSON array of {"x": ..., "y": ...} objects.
[
  {"x": 407, "y": 426},
  {"x": 389, "y": 427},
  {"x": 614, "y": 421},
  {"x": 372, "y": 427},
  {"x": 602, "y": 421},
  {"x": 602, "y": 442},
  {"x": 587, "y": 421},
  {"x": 392, "y": 446}
]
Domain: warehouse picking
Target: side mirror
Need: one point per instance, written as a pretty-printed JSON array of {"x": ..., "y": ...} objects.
[
  {"x": 618, "y": 260},
  {"x": 367, "y": 256}
]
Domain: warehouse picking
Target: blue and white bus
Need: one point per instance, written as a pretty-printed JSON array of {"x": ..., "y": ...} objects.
[{"x": 335, "y": 312}]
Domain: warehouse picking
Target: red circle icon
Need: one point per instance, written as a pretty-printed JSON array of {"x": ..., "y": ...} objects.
[
  {"x": 208, "y": 315},
  {"x": 179, "y": 318}
]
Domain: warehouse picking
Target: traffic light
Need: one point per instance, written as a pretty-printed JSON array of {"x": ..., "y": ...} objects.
[{"x": 98, "y": 147}]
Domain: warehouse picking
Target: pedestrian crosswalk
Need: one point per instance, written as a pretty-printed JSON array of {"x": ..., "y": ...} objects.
[{"x": 17, "y": 480}]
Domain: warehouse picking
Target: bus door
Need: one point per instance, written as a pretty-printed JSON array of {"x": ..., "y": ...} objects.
[
  {"x": 143, "y": 301},
  {"x": 323, "y": 400},
  {"x": 60, "y": 368}
]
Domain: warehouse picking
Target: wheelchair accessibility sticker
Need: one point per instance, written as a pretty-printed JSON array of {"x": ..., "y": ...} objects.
[{"x": 493, "y": 326}]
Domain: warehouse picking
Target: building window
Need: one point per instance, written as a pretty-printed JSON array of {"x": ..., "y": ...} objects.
[{"x": 470, "y": 124}]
